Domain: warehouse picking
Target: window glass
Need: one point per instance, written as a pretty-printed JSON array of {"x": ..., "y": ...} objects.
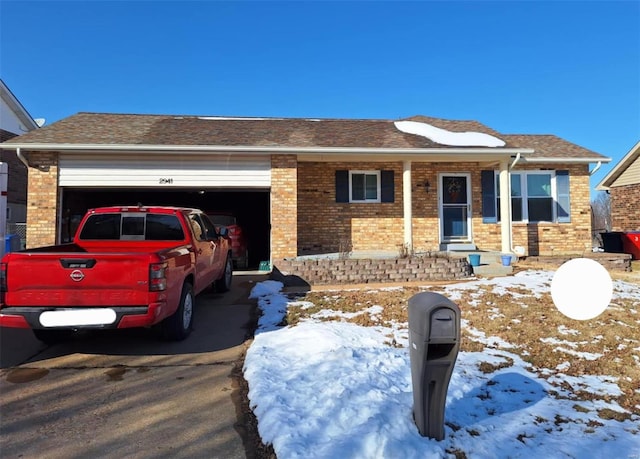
[
  {"x": 539, "y": 185},
  {"x": 209, "y": 228},
  {"x": 102, "y": 227},
  {"x": 198, "y": 228},
  {"x": 364, "y": 186},
  {"x": 540, "y": 209},
  {"x": 133, "y": 225},
  {"x": 371, "y": 187},
  {"x": 516, "y": 185},
  {"x": 357, "y": 187},
  {"x": 162, "y": 227}
]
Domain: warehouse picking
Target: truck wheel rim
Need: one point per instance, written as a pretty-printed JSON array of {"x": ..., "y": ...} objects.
[{"x": 187, "y": 311}]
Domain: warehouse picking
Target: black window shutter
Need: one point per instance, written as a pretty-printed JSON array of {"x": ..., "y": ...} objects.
[
  {"x": 386, "y": 186},
  {"x": 342, "y": 186},
  {"x": 488, "y": 197}
]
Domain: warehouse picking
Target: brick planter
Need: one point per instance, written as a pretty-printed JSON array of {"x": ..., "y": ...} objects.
[{"x": 367, "y": 270}]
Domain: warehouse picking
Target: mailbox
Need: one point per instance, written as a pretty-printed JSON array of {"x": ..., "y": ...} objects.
[{"x": 434, "y": 341}]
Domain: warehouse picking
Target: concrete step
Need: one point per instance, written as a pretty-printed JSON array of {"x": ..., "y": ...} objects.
[{"x": 492, "y": 270}]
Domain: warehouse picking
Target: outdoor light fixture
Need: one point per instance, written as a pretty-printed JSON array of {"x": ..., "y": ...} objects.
[{"x": 427, "y": 186}]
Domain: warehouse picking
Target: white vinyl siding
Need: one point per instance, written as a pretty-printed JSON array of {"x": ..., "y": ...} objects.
[{"x": 165, "y": 172}]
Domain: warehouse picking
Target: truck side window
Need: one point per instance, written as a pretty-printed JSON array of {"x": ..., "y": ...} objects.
[
  {"x": 198, "y": 230},
  {"x": 209, "y": 227}
]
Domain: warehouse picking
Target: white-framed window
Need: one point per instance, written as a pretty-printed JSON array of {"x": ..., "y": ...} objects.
[
  {"x": 364, "y": 186},
  {"x": 536, "y": 196}
]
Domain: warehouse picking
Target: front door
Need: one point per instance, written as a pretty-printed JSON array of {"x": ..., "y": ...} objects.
[{"x": 455, "y": 207}]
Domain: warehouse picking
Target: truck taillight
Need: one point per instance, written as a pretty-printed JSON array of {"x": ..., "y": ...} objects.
[{"x": 157, "y": 278}]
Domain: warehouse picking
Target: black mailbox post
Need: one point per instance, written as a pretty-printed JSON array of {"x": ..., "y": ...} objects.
[{"x": 434, "y": 341}]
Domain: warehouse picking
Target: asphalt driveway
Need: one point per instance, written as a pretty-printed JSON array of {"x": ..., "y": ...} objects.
[{"x": 127, "y": 394}]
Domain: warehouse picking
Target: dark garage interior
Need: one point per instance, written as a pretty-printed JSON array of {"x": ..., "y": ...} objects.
[{"x": 251, "y": 209}]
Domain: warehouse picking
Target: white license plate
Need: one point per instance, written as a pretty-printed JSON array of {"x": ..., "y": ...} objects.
[{"x": 77, "y": 317}]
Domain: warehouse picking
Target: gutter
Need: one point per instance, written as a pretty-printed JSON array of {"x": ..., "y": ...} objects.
[
  {"x": 249, "y": 149},
  {"x": 568, "y": 160}
]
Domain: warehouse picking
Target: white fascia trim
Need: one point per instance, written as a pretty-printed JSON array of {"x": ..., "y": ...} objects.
[
  {"x": 567, "y": 160},
  {"x": 250, "y": 149}
]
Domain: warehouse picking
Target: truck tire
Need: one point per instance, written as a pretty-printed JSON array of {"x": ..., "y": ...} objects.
[
  {"x": 178, "y": 326},
  {"x": 224, "y": 283},
  {"x": 50, "y": 336}
]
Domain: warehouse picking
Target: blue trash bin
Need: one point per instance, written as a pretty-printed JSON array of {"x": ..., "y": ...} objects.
[{"x": 12, "y": 243}]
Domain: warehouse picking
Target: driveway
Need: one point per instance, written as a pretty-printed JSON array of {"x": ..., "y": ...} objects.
[{"x": 127, "y": 394}]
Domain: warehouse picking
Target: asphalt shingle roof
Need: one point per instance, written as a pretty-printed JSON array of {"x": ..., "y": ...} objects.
[{"x": 127, "y": 129}]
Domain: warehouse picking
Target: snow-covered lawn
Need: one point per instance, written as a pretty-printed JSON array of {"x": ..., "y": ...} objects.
[{"x": 337, "y": 383}]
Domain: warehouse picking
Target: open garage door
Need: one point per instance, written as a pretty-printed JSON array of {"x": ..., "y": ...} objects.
[
  {"x": 250, "y": 207},
  {"x": 235, "y": 185}
]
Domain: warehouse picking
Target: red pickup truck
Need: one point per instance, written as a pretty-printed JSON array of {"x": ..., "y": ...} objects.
[{"x": 126, "y": 267}]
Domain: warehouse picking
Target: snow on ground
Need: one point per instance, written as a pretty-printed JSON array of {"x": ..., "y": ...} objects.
[{"x": 325, "y": 389}]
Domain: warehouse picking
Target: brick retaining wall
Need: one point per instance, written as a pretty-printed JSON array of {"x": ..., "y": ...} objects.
[{"x": 362, "y": 271}]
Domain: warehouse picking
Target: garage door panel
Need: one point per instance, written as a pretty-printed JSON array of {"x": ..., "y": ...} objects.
[{"x": 235, "y": 171}]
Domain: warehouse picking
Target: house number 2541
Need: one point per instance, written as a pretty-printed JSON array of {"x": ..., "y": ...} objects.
[{"x": 165, "y": 181}]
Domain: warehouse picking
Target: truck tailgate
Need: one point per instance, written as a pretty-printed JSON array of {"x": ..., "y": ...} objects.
[{"x": 74, "y": 279}]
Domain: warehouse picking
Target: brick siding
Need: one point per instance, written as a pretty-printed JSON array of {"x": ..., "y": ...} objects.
[
  {"x": 42, "y": 200},
  {"x": 325, "y": 226},
  {"x": 625, "y": 208},
  {"x": 284, "y": 206},
  {"x": 305, "y": 218}
]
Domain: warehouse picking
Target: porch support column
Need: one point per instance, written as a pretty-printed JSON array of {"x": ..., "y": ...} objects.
[
  {"x": 505, "y": 207},
  {"x": 406, "y": 201}
]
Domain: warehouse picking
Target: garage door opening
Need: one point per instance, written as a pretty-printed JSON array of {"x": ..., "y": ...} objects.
[{"x": 249, "y": 207}]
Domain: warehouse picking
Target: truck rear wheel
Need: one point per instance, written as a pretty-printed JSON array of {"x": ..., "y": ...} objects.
[
  {"x": 224, "y": 283},
  {"x": 178, "y": 326},
  {"x": 50, "y": 336}
]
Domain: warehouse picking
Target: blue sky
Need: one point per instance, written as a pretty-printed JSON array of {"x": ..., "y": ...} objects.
[{"x": 566, "y": 68}]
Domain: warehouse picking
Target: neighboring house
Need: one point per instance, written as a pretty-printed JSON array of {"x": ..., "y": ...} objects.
[
  {"x": 14, "y": 121},
  {"x": 313, "y": 186},
  {"x": 623, "y": 185}
]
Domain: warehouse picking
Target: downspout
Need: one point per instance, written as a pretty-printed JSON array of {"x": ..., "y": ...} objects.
[
  {"x": 595, "y": 169},
  {"x": 22, "y": 159},
  {"x": 515, "y": 161}
]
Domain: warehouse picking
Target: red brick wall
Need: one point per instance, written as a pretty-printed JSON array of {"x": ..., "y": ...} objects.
[{"x": 625, "y": 208}]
